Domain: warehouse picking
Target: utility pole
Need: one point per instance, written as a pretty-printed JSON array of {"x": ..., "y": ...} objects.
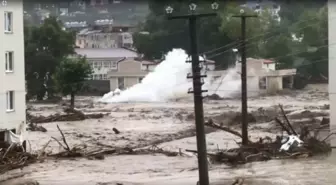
[
  {"x": 197, "y": 89},
  {"x": 244, "y": 120}
]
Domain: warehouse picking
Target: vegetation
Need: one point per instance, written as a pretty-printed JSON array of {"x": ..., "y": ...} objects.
[
  {"x": 268, "y": 37},
  {"x": 45, "y": 46},
  {"x": 70, "y": 76}
]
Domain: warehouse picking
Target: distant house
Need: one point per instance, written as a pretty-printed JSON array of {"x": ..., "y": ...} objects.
[
  {"x": 209, "y": 65},
  {"x": 132, "y": 71},
  {"x": 129, "y": 72},
  {"x": 103, "y": 39},
  {"x": 105, "y": 60},
  {"x": 263, "y": 76}
]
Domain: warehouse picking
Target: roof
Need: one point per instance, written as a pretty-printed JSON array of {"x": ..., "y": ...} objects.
[
  {"x": 207, "y": 61},
  {"x": 146, "y": 62},
  {"x": 106, "y": 52},
  {"x": 86, "y": 31},
  {"x": 268, "y": 61},
  {"x": 264, "y": 61}
]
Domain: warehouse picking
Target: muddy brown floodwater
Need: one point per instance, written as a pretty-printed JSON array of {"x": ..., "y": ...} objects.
[{"x": 170, "y": 126}]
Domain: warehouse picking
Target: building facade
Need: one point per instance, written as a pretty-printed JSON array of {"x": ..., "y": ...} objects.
[
  {"x": 129, "y": 72},
  {"x": 332, "y": 66},
  {"x": 12, "y": 81},
  {"x": 262, "y": 76},
  {"x": 105, "y": 60},
  {"x": 101, "y": 39}
]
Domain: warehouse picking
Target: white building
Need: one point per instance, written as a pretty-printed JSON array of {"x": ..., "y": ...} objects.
[
  {"x": 104, "y": 60},
  {"x": 332, "y": 65},
  {"x": 12, "y": 81},
  {"x": 103, "y": 39},
  {"x": 262, "y": 76}
]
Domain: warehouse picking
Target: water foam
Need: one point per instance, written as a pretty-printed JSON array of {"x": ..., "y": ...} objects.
[{"x": 168, "y": 81}]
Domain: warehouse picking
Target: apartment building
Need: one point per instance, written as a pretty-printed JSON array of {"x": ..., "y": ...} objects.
[
  {"x": 12, "y": 81},
  {"x": 103, "y": 39}
]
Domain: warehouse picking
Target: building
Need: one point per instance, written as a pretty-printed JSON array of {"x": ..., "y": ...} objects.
[
  {"x": 129, "y": 72},
  {"x": 262, "y": 76},
  {"x": 12, "y": 81},
  {"x": 332, "y": 66},
  {"x": 209, "y": 65},
  {"x": 103, "y": 39},
  {"x": 132, "y": 71},
  {"x": 259, "y": 6},
  {"x": 105, "y": 60}
]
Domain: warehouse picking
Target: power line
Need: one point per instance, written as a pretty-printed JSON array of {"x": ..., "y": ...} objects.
[{"x": 264, "y": 34}]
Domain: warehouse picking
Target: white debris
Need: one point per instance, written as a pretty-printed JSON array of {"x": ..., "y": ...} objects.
[
  {"x": 290, "y": 141},
  {"x": 17, "y": 138}
]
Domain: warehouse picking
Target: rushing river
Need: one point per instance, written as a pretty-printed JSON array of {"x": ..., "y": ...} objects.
[{"x": 163, "y": 170}]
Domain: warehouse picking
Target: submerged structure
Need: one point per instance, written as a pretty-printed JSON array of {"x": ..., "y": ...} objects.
[{"x": 262, "y": 76}]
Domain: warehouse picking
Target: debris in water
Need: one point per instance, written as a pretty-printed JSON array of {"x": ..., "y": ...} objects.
[
  {"x": 72, "y": 115},
  {"x": 291, "y": 146},
  {"x": 33, "y": 127}
]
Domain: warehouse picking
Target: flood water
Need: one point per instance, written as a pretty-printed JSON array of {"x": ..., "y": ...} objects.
[{"x": 151, "y": 170}]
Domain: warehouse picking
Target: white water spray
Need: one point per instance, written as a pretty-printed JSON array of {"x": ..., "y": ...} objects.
[{"x": 168, "y": 81}]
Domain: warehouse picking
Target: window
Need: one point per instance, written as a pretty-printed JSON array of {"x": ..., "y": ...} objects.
[
  {"x": 8, "y": 21},
  {"x": 100, "y": 64},
  {"x": 9, "y": 61},
  {"x": 121, "y": 83},
  {"x": 140, "y": 79},
  {"x": 114, "y": 65},
  {"x": 95, "y": 65},
  {"x": 104, "y": 76},
  {"x": 100, "y": 77},
  {"x": 262, "y": 83},
  {"x": 10, "y": 100},
  {"x": 95, "y": 77},
  {"x": 107, "y": 64}
]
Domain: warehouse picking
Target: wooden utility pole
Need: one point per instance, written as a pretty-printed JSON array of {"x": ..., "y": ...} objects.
[
  {"x": 197, "y": 91},
  {"x": 244, "y": 120}
]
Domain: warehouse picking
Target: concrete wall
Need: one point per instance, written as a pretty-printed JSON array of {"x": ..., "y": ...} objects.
[
  {"x": 128, "y": 68},
  {"x": 98, "y": 40},
  {"x": 148, "y": 67},
  {"x": 131, "y": 71},
  {"x": 332, "y": 65},
  {"x": 269, "y": 66},
  {"x": 128, "y": 82},
  {"x": 15, "y": 80},
  {"x": 274, "y": 84},
  {"x": 104, "y": 40}
]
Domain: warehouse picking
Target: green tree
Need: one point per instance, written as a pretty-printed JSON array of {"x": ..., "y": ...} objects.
[
  {"x": 45, "y": 46},
  {"x": 313, "y": 32},
  {"x": 163, "y": 34},
  {"x": 70, "y": 76}
]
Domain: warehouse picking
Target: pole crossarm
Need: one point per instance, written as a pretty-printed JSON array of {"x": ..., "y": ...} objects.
[
  {"x": 191, "y": 16},
  {"x": 246, "y": 16}
]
